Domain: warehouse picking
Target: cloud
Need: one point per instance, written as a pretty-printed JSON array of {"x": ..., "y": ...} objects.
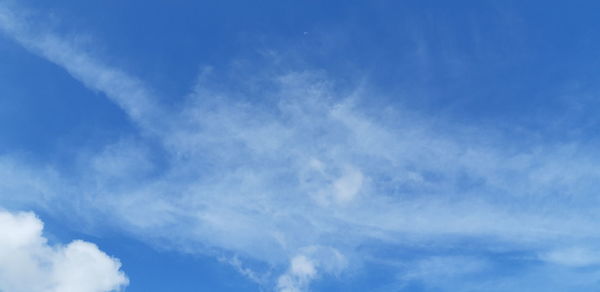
[
  {"x": 299, "y": 275},
  {"x": 29, "y": 264},
  {"x": 572, "y": 257},
  {"x": 304, "y": 268},
  {"x": 123, "y": 89},
  {"x": 439, "y": 271},
  {"x": 284, "y": 162}
]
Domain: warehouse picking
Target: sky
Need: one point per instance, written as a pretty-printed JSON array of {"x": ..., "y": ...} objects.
[{"x": 294, "y": 146}]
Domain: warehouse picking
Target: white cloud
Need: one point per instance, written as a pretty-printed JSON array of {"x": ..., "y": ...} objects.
[
  {"x": 123, "y": 89},
  {"x": 35, "y": 184},
  {"x": 573, "y": 256},
  {"x": 437, "y": 270},
  {"x": 29, "y": 264},
  {"x": 348, "y": 185},
  {"x": 308, "y": 265},
  {"x": 306, "y": 165},
  {"x": 302, "y": 270}
]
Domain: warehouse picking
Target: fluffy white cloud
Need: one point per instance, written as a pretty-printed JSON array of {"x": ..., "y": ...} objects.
[{"x": 29, "y": 264}]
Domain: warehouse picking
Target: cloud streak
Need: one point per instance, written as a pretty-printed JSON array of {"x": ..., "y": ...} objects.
[{"x": 123, "y": 89}]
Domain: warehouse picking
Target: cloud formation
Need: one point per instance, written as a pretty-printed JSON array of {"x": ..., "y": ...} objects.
[
  {"x": 289, "y": 170},
  {"x": 309, "y": 264},
  {"x": 29, "y": 264}
]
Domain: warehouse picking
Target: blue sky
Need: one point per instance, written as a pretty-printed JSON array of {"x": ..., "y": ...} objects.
[{"x": 299, "y": 146}]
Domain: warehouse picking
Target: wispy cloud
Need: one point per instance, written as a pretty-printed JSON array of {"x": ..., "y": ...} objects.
[
  {"x": 123, "y": 89},
  {"x": 272, "y": 170}
]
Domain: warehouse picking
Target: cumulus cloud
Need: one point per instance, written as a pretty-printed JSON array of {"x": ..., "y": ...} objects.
[{"x": 29, "y": 264}]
